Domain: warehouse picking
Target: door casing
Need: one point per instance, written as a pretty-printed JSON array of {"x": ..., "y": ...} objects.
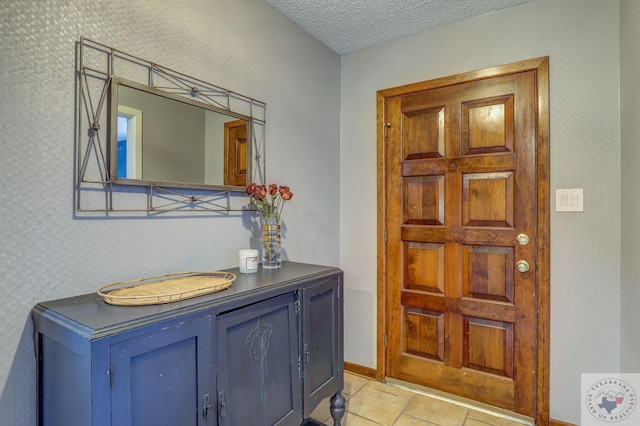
[{"x": 541, "y": 68}]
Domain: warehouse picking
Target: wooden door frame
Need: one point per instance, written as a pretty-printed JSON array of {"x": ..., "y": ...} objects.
[{"x": 541, "y": 68}]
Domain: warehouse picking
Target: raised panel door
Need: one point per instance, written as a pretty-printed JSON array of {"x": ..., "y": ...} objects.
[
  {"x": 460, "y": 184},
  {"x": 322, "y": 351},
  {"x": 163, "y": 377},
  {"x": 258, "y": 376}
]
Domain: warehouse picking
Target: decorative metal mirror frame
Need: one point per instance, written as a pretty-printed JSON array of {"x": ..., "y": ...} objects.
[{"x": 98, "y": 66}]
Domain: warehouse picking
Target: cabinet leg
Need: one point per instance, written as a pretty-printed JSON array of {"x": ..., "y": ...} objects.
[{"x": 337, "y": 408}]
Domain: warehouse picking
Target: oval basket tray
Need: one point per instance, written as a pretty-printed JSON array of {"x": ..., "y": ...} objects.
[{"x": 165, "y": 288}]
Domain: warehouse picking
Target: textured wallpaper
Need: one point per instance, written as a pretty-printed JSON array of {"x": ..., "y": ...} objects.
[
  {"x": 47, "y": 252},
  {"x": 581, "y": 38},
  {"x": 630, "y": 128}
]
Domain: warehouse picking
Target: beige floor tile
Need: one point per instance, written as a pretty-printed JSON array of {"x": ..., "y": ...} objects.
[
  {"x": 436, "y": 411},
  {"x": 352, "y": 384},
  {"x": 484, "y": 418},
  {"x": 405, "y": 420},
  {"x": 372, "y": 403},
  {"x": 395, "y": 390},
  {"x": 474, "y": 422},
  {"x": 376, "y": 405},
  {"x": 322, "y": 413},
  {"x": 351, "y": 419}
]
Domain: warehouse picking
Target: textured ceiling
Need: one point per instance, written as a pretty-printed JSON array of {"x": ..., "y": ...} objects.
[{"x": 349, "y": 25}]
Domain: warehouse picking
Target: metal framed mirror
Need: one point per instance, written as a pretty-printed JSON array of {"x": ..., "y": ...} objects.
[{"x": 151, "y": 139}]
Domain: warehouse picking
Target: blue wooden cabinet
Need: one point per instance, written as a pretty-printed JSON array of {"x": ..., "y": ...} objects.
[
  {"x": 265, "y": 351},
  {"x": 257, "y": 365}
]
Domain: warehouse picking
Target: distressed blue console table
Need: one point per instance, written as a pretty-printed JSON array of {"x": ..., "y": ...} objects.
[{"x": 265, "y": 351}]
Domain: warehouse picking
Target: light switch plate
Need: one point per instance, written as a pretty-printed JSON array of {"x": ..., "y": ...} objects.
[{"x": 569, "y": 200}]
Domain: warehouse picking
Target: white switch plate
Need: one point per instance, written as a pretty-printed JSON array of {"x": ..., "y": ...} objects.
[{"x": 569, "y": 200}]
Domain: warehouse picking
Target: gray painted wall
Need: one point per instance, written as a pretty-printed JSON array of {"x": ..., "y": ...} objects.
[
  {"x": 47, "y": 253},
  {"x": 581, "y": 37},
  {"x": 630, "y": 135}
]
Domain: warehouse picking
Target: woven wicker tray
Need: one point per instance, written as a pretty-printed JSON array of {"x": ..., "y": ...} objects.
[{"x": 165, "y": 288}]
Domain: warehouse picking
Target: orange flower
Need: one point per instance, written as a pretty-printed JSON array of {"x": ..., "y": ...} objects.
[
  {"x": 286, "y": 195},
  {"x": 261, "y": 192},
  {"x": 269, "y": 200}
]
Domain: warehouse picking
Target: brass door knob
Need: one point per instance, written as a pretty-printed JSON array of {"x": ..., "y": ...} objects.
[
  {"x": 522, "y": 239},
  {"x": 522, "y": 265}
]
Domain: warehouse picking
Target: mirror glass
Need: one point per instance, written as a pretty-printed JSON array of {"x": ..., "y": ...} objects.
[{"x": 161, "y": 138}]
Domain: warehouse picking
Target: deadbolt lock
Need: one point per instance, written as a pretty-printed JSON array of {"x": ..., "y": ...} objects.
[
  {"x": 522, "y": 239},
  {"x": 522, "y": 265}
]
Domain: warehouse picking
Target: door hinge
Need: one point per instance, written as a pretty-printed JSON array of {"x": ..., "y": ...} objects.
[
  {"x": 111, "y": 375},
  {"x": 296, "y": 304},
  {"x": 206, "y": 406},
  {"x": 385, "y": 236},
  {"x": 384, "y": 340},
  {"x": 385, "y": 128},
  {"x": 222, "y": 405},
  {"x": 300, "y": 369}
]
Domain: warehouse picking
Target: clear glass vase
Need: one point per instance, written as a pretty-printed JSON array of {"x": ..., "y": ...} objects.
[{"x": 271, "y": 244}]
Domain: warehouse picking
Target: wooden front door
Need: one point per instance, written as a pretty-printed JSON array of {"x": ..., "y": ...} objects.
[
  {"x": 235, "y": 153},
  {"x": 463, "y": 195}
]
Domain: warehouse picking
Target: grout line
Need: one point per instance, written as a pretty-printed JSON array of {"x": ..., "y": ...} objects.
[
  {"x": 421, "y": 420},
  {"x": 464, "y": 404},
  {"x": 406, "y": 404},
  {"x": 366, "y": 418},
  {"x": 466, "y": 416},
  {"x": 390, "y": 392}
]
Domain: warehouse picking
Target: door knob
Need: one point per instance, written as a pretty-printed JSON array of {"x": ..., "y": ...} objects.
[
  {"x": 522, "y": 239},
  {"x": 522, "y": 265}
]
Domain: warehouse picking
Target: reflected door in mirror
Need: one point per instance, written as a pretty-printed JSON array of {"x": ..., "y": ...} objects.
[{"x": 235, "y": 153}]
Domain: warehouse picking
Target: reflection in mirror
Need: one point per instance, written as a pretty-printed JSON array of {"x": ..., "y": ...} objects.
[
  {"x": 182, "y": 145},
  {"x": 160, "y": 138}
]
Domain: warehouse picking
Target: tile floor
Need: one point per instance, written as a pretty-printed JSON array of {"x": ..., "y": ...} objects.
[{"x": 371, "y": 403}]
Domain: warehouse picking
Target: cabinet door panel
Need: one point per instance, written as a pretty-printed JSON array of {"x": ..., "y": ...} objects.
[
  {"x": 257, "y": 364},
  {"x": 322, "y": 342},
  {"x": 161, "y": 378}
]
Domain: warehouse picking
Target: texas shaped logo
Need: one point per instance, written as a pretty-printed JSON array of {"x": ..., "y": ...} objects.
[{"x": 610, "y": 400}]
